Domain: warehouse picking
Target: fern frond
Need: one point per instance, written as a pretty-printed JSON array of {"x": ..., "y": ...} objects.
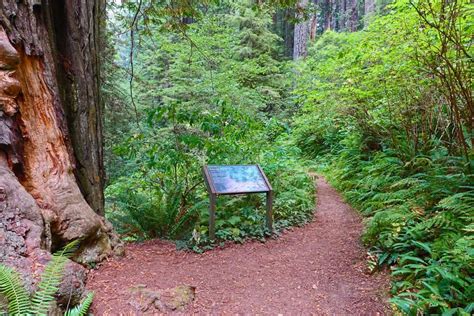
[
  {"x": 459, "y": 204},
  {"x": 51, "y": 279},
  {"x": 68, "y": 250},
  {"x": 11, "y": 286},
  {"x": 48, "y": 286},
  {"x": 81, "y": 309},
  {"x": 182, "y": 221}
]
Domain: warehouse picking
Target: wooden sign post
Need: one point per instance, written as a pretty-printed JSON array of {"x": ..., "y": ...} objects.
[{"x": 236, "y": 179}]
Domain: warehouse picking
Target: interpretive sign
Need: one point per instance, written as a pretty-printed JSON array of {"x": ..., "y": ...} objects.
[{"x": 236, "y": 179}]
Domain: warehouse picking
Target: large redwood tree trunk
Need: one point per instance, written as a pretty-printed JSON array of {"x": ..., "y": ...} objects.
[{"x": 51, "y": 166}]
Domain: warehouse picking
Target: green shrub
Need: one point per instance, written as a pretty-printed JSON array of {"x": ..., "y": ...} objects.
[
  {"x": 420, "y": 224},
  {"x": 377, "y": 114},
  {"x": 222, "y": 100},
  {"x": 141, "y": 209}
]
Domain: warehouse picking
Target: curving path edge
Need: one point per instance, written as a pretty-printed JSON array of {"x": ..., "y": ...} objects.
[{"x": 317, "y": 269}]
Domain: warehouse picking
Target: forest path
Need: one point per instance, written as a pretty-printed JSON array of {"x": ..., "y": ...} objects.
[{"x": 316, "y": 269}]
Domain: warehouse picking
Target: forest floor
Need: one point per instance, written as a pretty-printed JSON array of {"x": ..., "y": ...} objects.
[{"x": 319, "y": 268}]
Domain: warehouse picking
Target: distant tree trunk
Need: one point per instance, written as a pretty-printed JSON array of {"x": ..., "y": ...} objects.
[
  {"x": 284, "y": 28},
  {"x": 369, "y": 10},
  {"x": 51, "y": 169},
  {"x": 301, "y": 32},
  {"x": 352, "y": 14},
  {"x": 289, "y": 29},
  {"x": 335, "y": 13},
  {"x": 327, "y": 14},
  {"x": 313, "y": 26}
]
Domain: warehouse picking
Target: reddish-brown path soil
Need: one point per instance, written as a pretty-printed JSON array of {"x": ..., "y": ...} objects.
[{"x": 316, "y": 269}]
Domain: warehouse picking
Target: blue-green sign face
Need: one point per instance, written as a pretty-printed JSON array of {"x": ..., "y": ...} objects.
[{"x": 237, "y": 179}]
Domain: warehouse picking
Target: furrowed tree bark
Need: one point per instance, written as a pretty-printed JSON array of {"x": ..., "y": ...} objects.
[
  {"x": 51, "y": 167},
  {"x": 301, "y": 32}
]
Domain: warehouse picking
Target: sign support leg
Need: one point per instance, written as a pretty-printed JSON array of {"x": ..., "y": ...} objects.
[
  {"x": 270, "y": 211},
  {"x": 212, "y": 216}
]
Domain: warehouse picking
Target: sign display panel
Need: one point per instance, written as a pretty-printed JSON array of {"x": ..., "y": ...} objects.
[{"x": 237, "y": 179}]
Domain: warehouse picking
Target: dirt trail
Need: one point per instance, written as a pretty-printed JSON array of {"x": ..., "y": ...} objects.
[{"x": 316, "y": 269}]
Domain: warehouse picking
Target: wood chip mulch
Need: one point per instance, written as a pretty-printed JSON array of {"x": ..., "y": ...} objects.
[{"x": 317, "y": 269}]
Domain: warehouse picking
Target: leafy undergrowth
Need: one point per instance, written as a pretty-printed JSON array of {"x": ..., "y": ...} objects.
[
  {"x": 379, "y": 112},
  {"x": 388, "y": 109},
  {"x": 142, "y": 211},
  {"x": 226, "y": 103},
  {"x": 420, "y": 221}
]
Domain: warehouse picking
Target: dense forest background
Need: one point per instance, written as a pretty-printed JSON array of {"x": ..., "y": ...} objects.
[{"x": 377, "y": 95}]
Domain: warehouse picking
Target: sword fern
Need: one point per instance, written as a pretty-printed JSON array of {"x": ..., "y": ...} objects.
[
  {"x": 11, "y": 286},
  {"x": 19, "y": 302}
]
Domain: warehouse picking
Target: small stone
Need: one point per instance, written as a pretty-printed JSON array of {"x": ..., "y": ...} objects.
[
  {"x": 167, "y": 300},
  {"x": 178, "y": 298}
]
